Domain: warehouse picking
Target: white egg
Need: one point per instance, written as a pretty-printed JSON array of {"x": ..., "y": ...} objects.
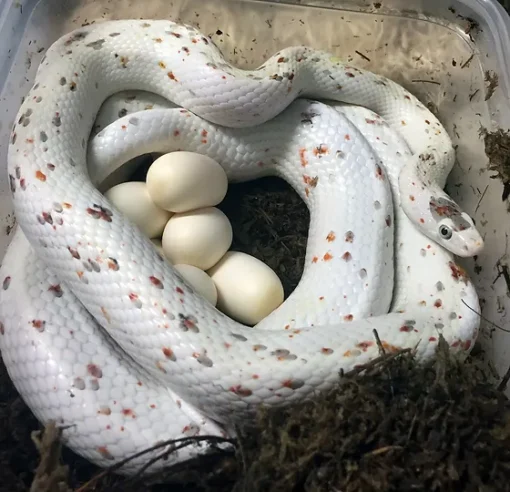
[
  {"x": 133, "y": 200},
  {"x": 248, "y": 290},
  {"x": 199, "y": 238},
  {"x": 159, "y": 246},
  {"x": 200, "y": 281},
  {"x": 183, "y": 181}
]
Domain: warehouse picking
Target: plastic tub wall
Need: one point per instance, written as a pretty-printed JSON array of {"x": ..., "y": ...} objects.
[{"x": 438, "y": 50}]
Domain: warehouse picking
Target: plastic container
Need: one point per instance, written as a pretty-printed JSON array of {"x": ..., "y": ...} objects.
[{"x": 439, "y": 50}]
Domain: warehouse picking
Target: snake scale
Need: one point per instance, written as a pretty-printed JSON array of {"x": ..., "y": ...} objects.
[{"x": 101, "y": 334}]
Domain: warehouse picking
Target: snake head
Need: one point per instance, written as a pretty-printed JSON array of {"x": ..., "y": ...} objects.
[
  {"x": 455, "y": 230},
  {"x": 464, "y": 240},
  {"x": 436, "y": 215}
]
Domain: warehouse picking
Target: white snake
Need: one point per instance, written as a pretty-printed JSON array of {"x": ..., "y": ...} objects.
[{"x": 158, "y": 361}]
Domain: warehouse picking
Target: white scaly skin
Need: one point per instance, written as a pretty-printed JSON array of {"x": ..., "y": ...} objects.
[
  {"x": 109, "y": 411},
  {"x": 67, "y": 369},
  {"x": 424, "y": 272},
  {"x": 47, "y": 170},
  {"x": 275, "y": 149}
]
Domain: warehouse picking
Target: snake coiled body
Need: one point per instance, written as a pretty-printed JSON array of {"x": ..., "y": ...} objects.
[{"x": 88, "y": 274}]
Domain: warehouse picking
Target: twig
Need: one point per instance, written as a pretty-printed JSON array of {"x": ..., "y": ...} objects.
[
  {"x": 188, "y": 467},
  {"x": 182, "y": 442},
  {"x": 484, "y": 318},
  {"x": 468, "y": 61},
  {"x": 50, "y": 474},
  {"x": 504, "y": 381},
  {"x": 147, "y": 465},
  {"x": 426, "y": 81},
  {"x": 382, "y": 359},
  {"x": 379, "y": 343},
  {"x": 362, "y": 55},
  {"x": 382, "y": 450},
  {"x": 481, "y": 198},
  {"x": 412, "y": 426},
  {"x": 471, "y": 96},
  {"x": 503, "y": 272},
  {"x": 241, "y": 452}
]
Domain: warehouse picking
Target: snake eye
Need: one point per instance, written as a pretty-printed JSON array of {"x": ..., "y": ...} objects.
[{"x": 445, "y": 232}]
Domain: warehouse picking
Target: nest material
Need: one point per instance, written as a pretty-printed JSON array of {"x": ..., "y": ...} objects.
[
  {"x": 497, "y": 149},
  {"x": 390, "y": 425}
]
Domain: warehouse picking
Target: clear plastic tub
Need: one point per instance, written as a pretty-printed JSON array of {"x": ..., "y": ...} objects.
[{"x": 441, "y": 51}]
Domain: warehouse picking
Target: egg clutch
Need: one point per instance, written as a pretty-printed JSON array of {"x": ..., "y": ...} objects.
[{"x": 176, "y": 208}]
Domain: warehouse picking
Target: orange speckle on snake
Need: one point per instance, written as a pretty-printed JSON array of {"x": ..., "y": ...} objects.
[
  {"x": 106, "y": 314},
  {"x": 38, "y": 324},
  {"x": 40, "y": 176},
  {"x": 240, "y": 391},
  {"x": 128, "y": 412},
  {"x": 320, "y": 150},
  {"x": 365, "y": 345},
  {"x": 302, "y": 157},
  {"x": 169, "y": 353},
  {"x": 103, "y": 451},
  {"x": 156, "y": 282}
]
